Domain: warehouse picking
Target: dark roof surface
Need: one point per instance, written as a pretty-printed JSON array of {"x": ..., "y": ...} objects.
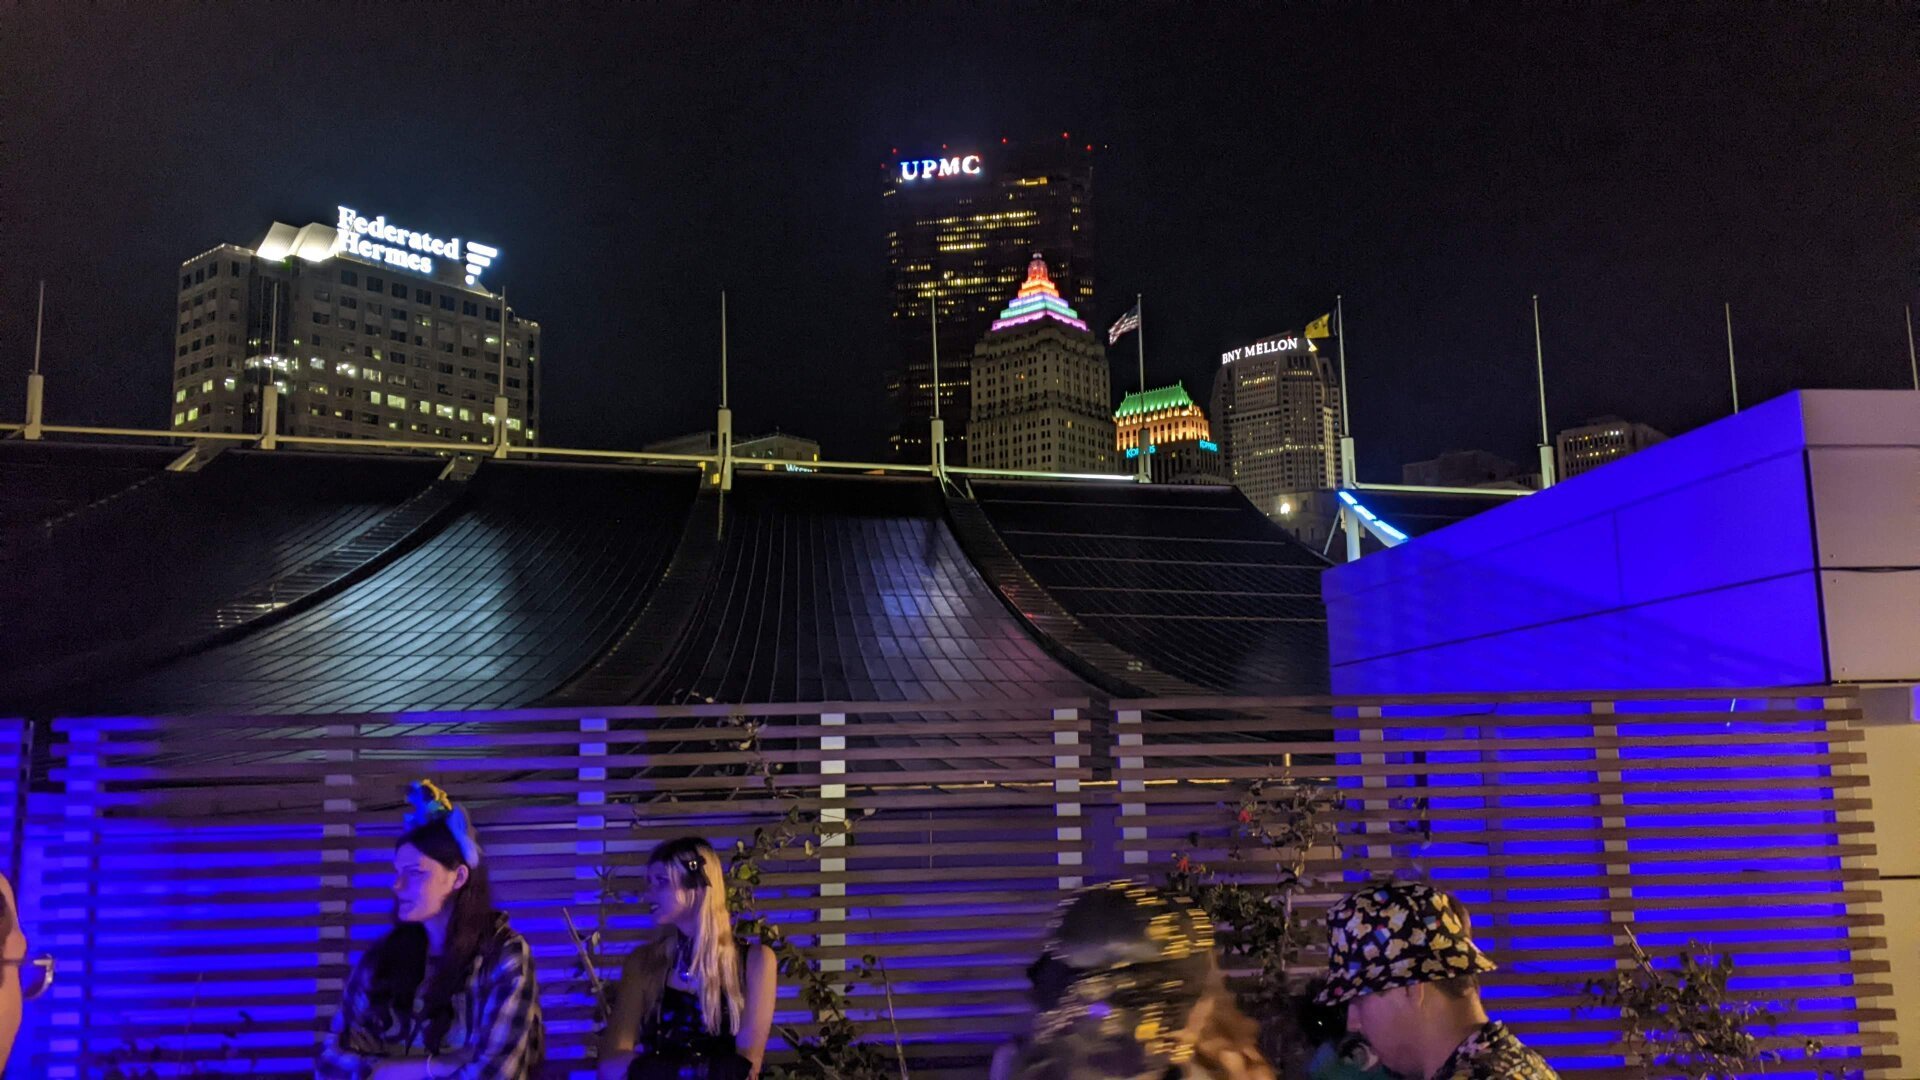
[
  {"x": 851, "y": 589},
  {"x": 1190, "y": 578},
  {"x": 197, "y": 538},
  {"x": 339, "y": 582},
  {"x": 500, "y": 607}
]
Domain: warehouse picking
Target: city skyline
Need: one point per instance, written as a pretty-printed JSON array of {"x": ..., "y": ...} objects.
[{"x": 1435, "y": 201}]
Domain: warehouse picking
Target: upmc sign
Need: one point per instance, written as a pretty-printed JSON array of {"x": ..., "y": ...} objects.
[
  {"x": 935, "y": 168},
  {"x": 1274, "y": 344}
]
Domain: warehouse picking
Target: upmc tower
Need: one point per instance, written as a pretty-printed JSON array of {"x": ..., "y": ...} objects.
[{"x": 963, "y": 222}]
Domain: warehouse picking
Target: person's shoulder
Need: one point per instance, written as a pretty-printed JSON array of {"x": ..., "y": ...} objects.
[
  {"x": 649, "y": 947},
  {"x": 760, "y": 960},
  {"x": 509, "y": 950}
]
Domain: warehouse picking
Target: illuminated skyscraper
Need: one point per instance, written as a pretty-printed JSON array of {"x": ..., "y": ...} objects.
[
  {"x": 962, "y": 223},
  {"x": 1177, "y": 439},
  {"x": 1276, "y": 404},
  {"x": 1040, "y": 387},
  {"x": 1166, "y": 414},
  {"x": 368, "y": 331}
]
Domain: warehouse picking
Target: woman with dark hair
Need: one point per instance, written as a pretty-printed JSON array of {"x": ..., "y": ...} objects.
[
  {"x": 689, "y": 1007},
  {"x": 449, "y": 991}
]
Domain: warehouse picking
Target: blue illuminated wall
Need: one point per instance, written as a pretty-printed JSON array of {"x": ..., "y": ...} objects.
[{"x": 1691, "y": 563}]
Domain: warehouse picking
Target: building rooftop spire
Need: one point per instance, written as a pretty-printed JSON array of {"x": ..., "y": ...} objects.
[
  {"x": 1156, "y": 400},
  {"x": 1038, "y": 299}
]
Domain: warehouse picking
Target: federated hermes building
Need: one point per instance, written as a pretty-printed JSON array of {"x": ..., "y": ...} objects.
[
  {"x": 962, "y": 223},
  {"x": 367, "y": 329},
  {"x": 1276, "y": 408}
]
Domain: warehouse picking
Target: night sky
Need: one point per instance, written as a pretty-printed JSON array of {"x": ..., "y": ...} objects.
[{"x": 1635, "y": 165}]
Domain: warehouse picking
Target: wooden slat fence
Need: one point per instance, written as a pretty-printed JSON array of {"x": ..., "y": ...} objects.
[{"x": 207, "y": 882}]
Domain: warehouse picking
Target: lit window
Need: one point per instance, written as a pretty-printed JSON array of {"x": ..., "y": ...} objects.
[{"x": 180, "y": 394}]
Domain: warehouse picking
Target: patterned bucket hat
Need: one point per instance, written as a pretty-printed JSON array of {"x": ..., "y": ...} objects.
[{"x": 1396, "y": 934}]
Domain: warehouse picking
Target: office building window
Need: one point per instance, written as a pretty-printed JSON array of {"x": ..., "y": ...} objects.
[
  {"x": 399, "y": 289},
  {"x": 446, "y": 302},
  {"x": 348, "y": 277}
]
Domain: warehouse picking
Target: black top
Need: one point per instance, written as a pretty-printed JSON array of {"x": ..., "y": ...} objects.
[{"x": 674, "y": 1043}]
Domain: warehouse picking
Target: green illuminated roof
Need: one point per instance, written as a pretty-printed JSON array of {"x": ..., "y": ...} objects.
[{"x": 1165, "y": 397}]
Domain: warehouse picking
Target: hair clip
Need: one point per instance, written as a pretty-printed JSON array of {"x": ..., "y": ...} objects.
[{"x": 427, "y": 803}]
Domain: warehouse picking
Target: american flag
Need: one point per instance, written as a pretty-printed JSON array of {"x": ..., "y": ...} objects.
[{"x": 1129, "y": 321}]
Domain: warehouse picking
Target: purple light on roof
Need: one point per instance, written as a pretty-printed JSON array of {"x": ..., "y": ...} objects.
[
  {"x": 1002, "y": 324},
  {"x": 1038, "y": 298}
]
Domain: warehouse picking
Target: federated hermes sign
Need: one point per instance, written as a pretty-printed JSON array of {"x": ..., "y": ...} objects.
[
  {"x": 379, "y": 240},
  {"x": 937, "y": 168},
  {"x": 1274, "y": 344}
]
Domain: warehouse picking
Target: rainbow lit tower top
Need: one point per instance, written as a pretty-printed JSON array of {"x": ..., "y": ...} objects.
[{"x": 1038, "y": 299}]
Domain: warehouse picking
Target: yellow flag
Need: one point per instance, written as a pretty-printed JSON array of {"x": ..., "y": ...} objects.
[{"x": 1318, "y": 327}]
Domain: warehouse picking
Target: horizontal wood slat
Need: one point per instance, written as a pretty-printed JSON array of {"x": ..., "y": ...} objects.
[{"x": 192, "y": 870}]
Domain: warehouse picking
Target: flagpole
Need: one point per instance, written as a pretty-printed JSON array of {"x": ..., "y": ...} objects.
[
  {"x": 500, "y": 391},
  {"x": 723, "y": 420},
  {"x": 1347, "y": 465},
  {"x": 1540, "y": 381},
  {"x": 1140, "y": 341},
  {"x": 36, "y": 382},
  {"x": 1733, "y": 373},
  {"x": 936, "y": 428},
  {"x": 1911, "y": 361},
  {"x": 40, "y": 318}
]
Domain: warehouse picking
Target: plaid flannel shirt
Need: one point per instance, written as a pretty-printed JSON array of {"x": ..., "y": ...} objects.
[{"x": 497, "y": 1031}]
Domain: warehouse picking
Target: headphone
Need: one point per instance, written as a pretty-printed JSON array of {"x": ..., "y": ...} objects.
[{"x": 693, "y": 869}]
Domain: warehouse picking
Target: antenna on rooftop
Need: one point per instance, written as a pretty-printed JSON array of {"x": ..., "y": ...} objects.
[{"x": 36, "y": 383}]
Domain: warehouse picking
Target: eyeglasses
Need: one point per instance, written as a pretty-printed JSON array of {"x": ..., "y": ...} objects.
[{"x": 36, "y": 975}]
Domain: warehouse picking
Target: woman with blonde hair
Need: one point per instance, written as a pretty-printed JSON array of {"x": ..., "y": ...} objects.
[{"x": 689, "y": 1006}]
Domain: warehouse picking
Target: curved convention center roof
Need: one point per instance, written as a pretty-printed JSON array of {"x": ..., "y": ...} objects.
[
  {"x": 1192, "y": 579},
  {"x": 350, "y": 582}
]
